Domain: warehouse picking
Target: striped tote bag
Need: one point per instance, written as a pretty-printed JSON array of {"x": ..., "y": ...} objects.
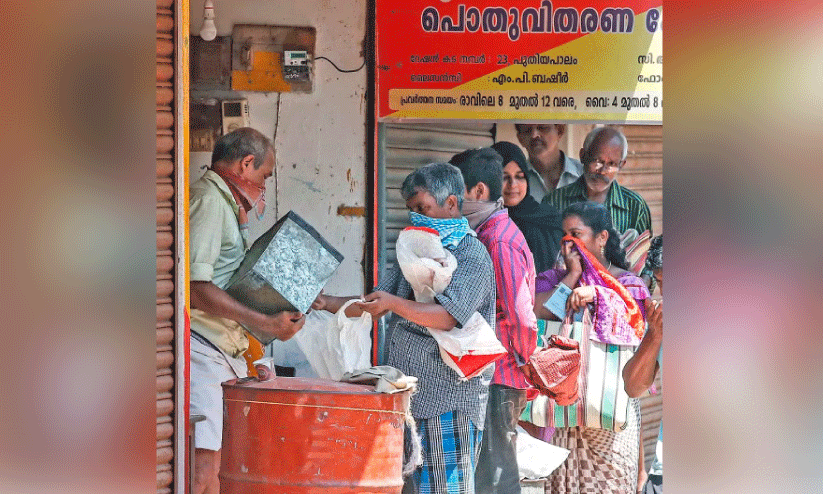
[{"x": 603, "y": 402}]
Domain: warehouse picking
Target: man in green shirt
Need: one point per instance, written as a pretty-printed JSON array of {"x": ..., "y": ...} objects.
[
  {"x": 603, "y": 156},
  {"x": 219, "y": 203}
]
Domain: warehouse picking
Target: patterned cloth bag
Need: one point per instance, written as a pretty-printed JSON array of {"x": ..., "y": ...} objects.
[
  {"x": 554, "y": 368},
  {"x": 603, "y": 402}
]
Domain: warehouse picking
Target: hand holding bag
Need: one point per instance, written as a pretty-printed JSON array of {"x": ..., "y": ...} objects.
[
  {"x": 554, "y": 369},
  {"x": 603, "y": 401}
]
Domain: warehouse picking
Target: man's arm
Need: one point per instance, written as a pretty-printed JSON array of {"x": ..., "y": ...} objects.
[
  {"x": 639, "y": 371},
  {"x": 209, "y": 298},
  {"x": 430, "y": 315},
  {"x": 516, "y": 323},
  {"x": 334, "y": 303}
]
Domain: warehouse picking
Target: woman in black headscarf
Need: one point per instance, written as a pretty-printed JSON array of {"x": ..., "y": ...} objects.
[{"x": 540, "y": 223}]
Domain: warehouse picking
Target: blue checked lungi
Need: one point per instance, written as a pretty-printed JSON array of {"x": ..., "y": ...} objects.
[{"x": 451, "y": 447}]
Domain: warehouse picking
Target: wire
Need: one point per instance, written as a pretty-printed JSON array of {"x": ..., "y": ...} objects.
[{"x": 341, "y": 70}]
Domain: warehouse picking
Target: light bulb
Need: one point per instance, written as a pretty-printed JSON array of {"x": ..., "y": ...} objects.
[{"x": 209, "y": 31}]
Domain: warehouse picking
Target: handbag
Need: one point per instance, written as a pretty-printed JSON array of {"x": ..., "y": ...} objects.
[
  {"x": 554, "y": 369},
  {"x": 603, "y": 402}
]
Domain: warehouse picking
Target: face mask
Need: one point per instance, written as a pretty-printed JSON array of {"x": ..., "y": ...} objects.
[
  {"x": 477, "y": 212},
  {"x": 249, "y": 196},
  {"x": 451, "y": 230}
]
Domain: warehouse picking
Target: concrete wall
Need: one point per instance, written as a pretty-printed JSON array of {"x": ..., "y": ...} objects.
[{"x": 319, "y": 137}]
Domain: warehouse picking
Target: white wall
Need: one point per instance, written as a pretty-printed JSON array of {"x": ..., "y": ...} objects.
[{"x": 319, "y": 137}]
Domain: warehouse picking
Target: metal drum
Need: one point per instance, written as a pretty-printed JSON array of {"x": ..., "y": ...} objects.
[{"x": 311, "y": 436}]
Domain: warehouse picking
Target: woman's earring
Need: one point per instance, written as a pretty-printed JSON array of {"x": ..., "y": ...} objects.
[{"x": 602, "y": 250}]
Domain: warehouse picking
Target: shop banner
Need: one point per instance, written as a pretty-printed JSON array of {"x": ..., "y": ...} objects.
[{"x": 588, "y": 61}]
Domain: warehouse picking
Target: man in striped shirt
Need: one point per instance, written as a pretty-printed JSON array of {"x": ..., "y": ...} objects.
[
  {"x": 516, "y": 327},
  {"x": 603, "y": 156}
]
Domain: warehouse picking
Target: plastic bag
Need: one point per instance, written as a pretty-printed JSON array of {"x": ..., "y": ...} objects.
[
  {"x": 335, "y": 344},
  {"x": 289, "y": 354},
  {"x": 470, "y": 349},
  {"x": 428, "y": 268},
  {"x": 537, "y": 459},
  {"x": 425, "y": 264}
]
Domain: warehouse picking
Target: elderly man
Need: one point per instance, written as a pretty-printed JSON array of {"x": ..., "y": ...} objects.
[
  {"x": 482, "y": 169},
  {"x": 449, "y": 412},
  {"x": 603, "y": 156},
  {"x": 549, "y": 167},
  {"x": 218, "y": 220}
]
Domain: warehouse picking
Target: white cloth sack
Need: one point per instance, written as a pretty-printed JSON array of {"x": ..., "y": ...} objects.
[
  {"x": 428, "y": 268},
  {"x": 335, "y": 344},
  {"x": 537, "y": 459}
]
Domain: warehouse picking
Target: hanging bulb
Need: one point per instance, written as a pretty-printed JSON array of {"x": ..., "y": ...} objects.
[{"x": 209, "y": 31}]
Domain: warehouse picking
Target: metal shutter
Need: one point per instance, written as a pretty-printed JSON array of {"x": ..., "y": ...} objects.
[
  {"x": 643, "y": 172},
  {"x": 165, "y": 243},
  {"x": 406, "y": 147}
]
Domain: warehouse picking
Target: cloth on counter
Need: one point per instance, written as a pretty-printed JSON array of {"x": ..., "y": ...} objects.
[
  {"x": 384, "y": 378},
  {"x": 387, "y": 379}
]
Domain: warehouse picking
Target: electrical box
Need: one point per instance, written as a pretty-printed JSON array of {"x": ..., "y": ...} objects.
[
  {"x": 272, "y": 58},
  {"x": 296, "y": 66},
  {"x": 235, "y": 114},
  {"x": 210, "y": 63}
]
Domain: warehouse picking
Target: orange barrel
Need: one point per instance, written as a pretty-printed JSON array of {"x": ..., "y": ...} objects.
[{"x": 311, "y": 436}]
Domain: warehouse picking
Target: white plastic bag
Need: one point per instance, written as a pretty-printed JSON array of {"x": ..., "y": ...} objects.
[
  {"x": 312, "y": 340},
  {"x": 537, "y": 459},
  {"x": 335, "y": 344},
  {"x": 289, "y": 354},
  {"x": 428, "y": 268}
]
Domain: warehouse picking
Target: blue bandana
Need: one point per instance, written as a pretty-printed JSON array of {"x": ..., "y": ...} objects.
[{"x": 451, "y": 230}]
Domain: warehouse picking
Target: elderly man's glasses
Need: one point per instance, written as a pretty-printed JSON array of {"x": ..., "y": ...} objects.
[{"x": 606, "y": 165}]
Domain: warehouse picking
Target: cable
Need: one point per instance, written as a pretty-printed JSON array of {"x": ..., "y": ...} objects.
[{"x": 339, "y": 69}]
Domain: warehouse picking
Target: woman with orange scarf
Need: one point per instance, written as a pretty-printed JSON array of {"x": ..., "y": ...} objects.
[{"x": 597, "y": 272}]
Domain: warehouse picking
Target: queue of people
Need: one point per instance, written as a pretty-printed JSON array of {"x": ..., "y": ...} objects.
[{"x": 500, "y": 215}]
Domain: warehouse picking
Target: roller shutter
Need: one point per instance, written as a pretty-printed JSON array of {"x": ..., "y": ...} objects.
[
  {"x": 406, "y": 147},
  {"x": 165, "y": 245},
  {"x": 643, "y": 172}
]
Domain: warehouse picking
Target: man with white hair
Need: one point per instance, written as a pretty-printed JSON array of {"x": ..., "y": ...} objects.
[{"x": 603, "y": 156}]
